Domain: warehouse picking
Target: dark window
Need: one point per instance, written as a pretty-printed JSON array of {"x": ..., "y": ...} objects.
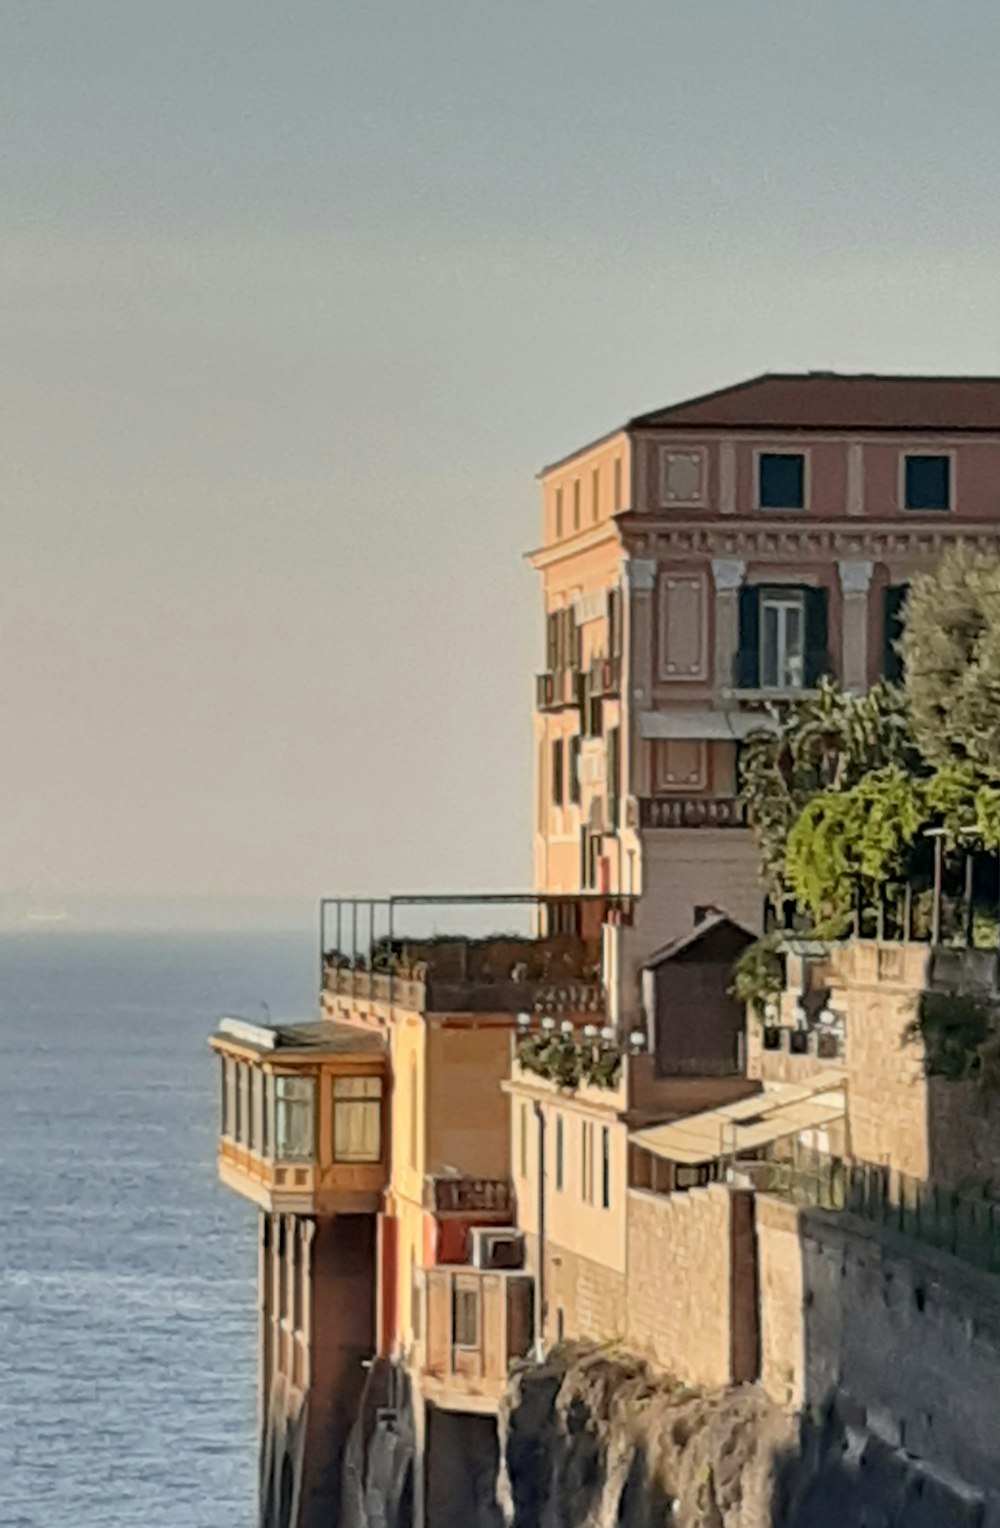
[
  {"x": 559, "y": 512},
  {"x": 552, "y": 641},
  {"x": 615, "y": 622},
  {"x": 892, "y": 612},
  {"x": 465, "y": 1319},
  {"x": 595, "y": 493},
  {"x": 614, "y": 777},
  {"x": 782, "y": 477},
  {"x": 927, "y": 482},
  {"x": 593, "y": 859},
  {"x": 605, "y": 1168},
  {"x": 559, "y": 1152},
  {"x": 576, "y": 504},
  {"x": 558, "y": 784},
  {"x": 618, "y": 483},
  {"x": 574, "y": 767}
]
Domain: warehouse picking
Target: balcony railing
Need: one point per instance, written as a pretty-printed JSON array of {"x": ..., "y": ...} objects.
[
  {"x": 468, "y": 1196},
  {"x": 556, "y": 689},
  {"x": 692, "y": 812},
  {"x": 552, "y": 967}
]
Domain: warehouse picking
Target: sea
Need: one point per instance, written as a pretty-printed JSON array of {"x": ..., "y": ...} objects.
[{"x": 127, "y": 1273}]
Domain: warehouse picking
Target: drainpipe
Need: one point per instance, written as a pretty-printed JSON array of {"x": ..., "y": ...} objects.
[{"x": 540, "y": 1275}]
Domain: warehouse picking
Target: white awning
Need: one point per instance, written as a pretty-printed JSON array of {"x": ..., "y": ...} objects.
[
  {"x": 747, "y": 1124},
  {"x": 698, "y": 725}
]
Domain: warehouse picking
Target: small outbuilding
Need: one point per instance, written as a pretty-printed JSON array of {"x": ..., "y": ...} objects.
[{"x": 695, "y": 1028}]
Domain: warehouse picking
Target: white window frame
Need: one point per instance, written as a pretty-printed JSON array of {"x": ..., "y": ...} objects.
[
  {"x": 782, "y": 600},
  {"x": 783, "y": 450},
  {"x": 951, "y": 455}
]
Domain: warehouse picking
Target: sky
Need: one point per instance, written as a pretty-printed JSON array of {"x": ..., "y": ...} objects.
[{"x": 294, "y": 302}]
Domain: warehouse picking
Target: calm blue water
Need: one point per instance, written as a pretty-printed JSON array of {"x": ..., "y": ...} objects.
[{"x": 127, "y": 1298}]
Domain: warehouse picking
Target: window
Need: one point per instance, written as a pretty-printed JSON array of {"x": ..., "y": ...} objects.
[
  {"x": 559, "y": 1152},
  {"x": 574, "y": 768},
  {"x": 587, "y": 1161},
  {"x": 559, "y": 513},
  {"x": 252, "y": 1075},
  {"x": 614, "y": 777},
  {"x": 225, "y": 1081},
  {"x": 618, "y": 483},
  {"x": 558, "y": 783},
  {"x": 576, "y": 504},
  {"x": 770, "y": 643},
  {"x": 782, "y": 640},
  {"x": 605, "y": 1168},
  {"x": 357, "y": 1119},
  {"x": 239, "y": 1126},
  {"x": 413, "y": 1112},
  {"x": 615, "y": 622},
  {"x": 893, "y": 622},
  {"x": 927, "y": 482},
  {"x": 294, "y": 1118},
  {"x": 552, "y": 641},
  {"x": 595, "y": 494},
  {"x": 524, "y": 1140},
  {"x": 465, "y": 1319},
  {"x": 781, "y": 480}
]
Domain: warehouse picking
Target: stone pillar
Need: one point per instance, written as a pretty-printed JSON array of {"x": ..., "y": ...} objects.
[
  {"x": 855, "y": 578},
  {"x": 727, "y": 478},
  {"x": 855, "y": 496},
  {"x": 640, "y": 574},
  {"x": 728, "y": 574}
]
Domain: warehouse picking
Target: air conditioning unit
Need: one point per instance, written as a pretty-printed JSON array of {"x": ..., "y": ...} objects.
[{"x": 496, "y": 1247}]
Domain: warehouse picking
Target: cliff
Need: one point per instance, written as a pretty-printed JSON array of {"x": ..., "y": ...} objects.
[{"x": 594, "y": 1439}]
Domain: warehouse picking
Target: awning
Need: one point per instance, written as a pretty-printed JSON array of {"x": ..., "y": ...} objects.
[
  {"x": 704, "y": 725},
  {"x": 747, "y": 1124}
]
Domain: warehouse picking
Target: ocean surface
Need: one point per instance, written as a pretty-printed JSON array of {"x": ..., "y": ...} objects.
[{"x": 127, "y": 1275}]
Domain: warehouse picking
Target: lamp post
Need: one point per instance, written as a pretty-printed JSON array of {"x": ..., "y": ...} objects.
[{"x": 938, "y": 836}]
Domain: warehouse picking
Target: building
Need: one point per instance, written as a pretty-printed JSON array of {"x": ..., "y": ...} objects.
[
  {"x": 522, "y": 1119},
  {"x": 702, "y": 561}
]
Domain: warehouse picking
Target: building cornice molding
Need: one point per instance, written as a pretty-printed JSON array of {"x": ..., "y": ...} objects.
[
  {"x": 806, "y": 543},
  {"x": 564, "y": 551}
]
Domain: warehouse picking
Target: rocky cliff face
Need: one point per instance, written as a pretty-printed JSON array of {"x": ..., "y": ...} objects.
[{"x": 594, "y": 1439}]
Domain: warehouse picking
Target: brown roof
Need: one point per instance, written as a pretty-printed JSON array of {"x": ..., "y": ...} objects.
[{"x": 824, "y": 400}]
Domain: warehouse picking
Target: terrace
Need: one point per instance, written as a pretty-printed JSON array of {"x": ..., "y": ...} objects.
[{"x": 447, "y": 955}]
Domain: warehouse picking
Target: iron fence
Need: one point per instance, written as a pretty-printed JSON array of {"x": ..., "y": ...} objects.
[{"x": 965, "y": 1225}]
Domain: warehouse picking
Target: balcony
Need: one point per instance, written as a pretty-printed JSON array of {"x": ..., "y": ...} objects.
[
  {"x": 371, "y": 968},
  {"x": 447, "y": 1194},
  {"x": 605, "y": 677},
  {"x": 303, "y": 1116},
  {"x": 557, "y": 689},
  {"x": 475, "y": 1324},
  {"x": 692, "y": 812}
]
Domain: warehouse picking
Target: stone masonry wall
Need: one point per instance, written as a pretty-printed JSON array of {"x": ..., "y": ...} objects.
[
  {"x": 906, "y": 1338},
  {"x": 590, "y": 1296},
  {"x": 681, "y": 1280}
]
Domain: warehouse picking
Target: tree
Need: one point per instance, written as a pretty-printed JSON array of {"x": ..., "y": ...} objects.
[
  {"x": 951, "y": 655},
  {"x": 823, "y": 746}
]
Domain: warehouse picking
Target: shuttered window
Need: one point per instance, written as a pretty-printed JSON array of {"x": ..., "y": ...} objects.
[
  {"x": 892, "y": 617},
  {"x": 783, "y": 637},
  {"x": 558, "y": 783}
]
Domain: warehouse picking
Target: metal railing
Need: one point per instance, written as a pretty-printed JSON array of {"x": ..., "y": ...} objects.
[
  {"x": 965, "y": 1225},
  {"x": 468, "y": 1196}
]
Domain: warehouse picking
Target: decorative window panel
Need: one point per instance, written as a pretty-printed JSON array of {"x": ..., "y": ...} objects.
[
  {"x": 682, "y": 477},
  {"x": 681, "y": 765},
  {"x": 683, "y": 627}
]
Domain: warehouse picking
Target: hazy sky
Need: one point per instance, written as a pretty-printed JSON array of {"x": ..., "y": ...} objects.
[{"x": 297, "y": 297}]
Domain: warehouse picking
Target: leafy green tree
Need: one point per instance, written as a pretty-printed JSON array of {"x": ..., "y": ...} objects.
[{"x": 951, "y": 654}]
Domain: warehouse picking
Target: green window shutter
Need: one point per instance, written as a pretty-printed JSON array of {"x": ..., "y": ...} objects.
[
  {"x": 748, "y": 657},
  {"x": 817, "y": 655},
  {"x": 892, "y": 630}
]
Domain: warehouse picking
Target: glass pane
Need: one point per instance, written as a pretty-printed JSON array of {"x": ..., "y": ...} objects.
[
  {"x": 294, "y": 1119},
  {"x": 928, "y": 482},
  {"x": 794, "y": 647},
  {"x": 782, "y": 481},
  {"x": 357, "y": 1131},
  {"x": 769, "y": 647}
]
